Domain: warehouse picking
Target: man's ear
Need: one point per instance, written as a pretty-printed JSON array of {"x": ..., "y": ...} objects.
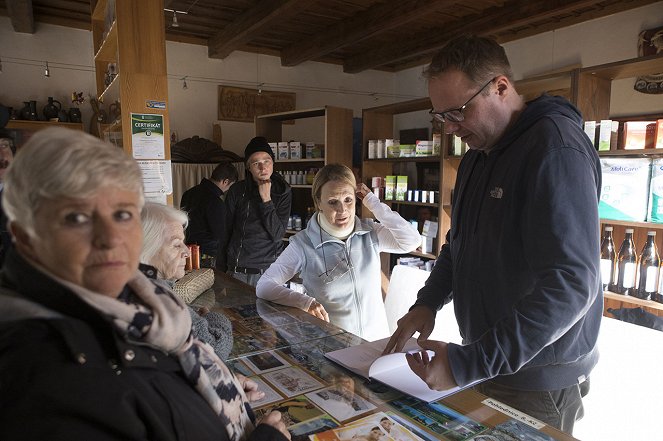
[{"x": 23, "y": 241}]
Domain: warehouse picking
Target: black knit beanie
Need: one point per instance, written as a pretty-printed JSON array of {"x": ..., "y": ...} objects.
[{"x": 257, "y": 144}]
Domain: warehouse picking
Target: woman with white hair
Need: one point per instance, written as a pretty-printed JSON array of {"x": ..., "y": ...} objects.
[
  {"x": 164, "y": 249},
  {"x": 91, "y": 348}
]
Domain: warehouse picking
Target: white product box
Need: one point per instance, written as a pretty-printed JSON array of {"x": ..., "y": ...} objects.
[
  {"x": 382, "y": 150},
  {"x": 590, "y": 130},
  {"x": 424, "y": 148},
  {"x": 295, "y": 149},
  {"x": 430, "y": 229},
  {"x": 605, "y": 132},
  {"x": 372, "y": 148},
  {"x": 275, "y": 148},
  {"x": 284, "y": 150},
  {"x": 426, "y": 244},
  {"x": 625, "y": 188},
  {"x": 655, "y": 211}
]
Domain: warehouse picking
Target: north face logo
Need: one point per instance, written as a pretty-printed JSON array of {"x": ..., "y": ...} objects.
[{"x": 496, "y": 193}]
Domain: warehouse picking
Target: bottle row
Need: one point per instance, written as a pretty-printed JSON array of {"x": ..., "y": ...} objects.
[{"x": 629, "y": 273}]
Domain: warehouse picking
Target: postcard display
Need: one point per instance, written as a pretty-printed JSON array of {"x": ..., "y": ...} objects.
[{"x": 320, "y": 400}]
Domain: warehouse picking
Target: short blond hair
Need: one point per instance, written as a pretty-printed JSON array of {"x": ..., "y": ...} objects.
[
  {"x": 331, "y": 172},
  {"x": 57, "y": 163}
]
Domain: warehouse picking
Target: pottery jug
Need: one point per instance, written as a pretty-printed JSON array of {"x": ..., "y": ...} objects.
[
  {"x": 52, "y": 109},
  {"x": 29, "y": 111},
  {"x": 63, "y": 116},
  {"x": 75, "y": 115}
]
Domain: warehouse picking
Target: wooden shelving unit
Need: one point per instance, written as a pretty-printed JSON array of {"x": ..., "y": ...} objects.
[
  {"x": 22, "y": 130},
  {"x": 132, "y": 38},
  {"x": 136, "y": 43},
  {"x": 338, "y": 145}
]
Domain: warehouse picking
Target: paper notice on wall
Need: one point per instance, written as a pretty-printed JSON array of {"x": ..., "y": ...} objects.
[
  {"x": 157, "y": 177},
  {"x": 147, "y": 139}
]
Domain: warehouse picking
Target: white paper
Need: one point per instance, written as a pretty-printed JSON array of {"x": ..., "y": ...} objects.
[
  {"x": 157, "y": 176},
  {"x": 392, "y": 369}
]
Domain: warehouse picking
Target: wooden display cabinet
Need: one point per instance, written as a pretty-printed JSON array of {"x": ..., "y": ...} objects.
[
  {"x": 592, "y": 89},
  {"x": 130, "y": 43},
  {"x": 22, "y": 130},
  {"x": 337, "y": 146}
]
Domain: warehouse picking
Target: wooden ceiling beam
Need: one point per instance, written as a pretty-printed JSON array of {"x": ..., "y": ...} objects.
[
  {"x": 490, "y": 21},
  {"x": 251, "y": 23},
  {"x": 378, "y": 19},
  {"x": 20, "y": 13}
]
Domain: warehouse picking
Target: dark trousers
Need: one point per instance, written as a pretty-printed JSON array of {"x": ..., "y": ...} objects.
[{"x": 557, "y": 408}]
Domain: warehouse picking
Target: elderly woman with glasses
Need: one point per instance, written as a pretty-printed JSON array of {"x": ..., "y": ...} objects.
[
  {"x": 91, "y": 348},
  {"x": 165, "y": 253},
  {"x": 337, "y": 256}
]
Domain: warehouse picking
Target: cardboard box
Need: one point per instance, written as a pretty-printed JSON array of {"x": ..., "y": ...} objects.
[
  {"x": 401, "y": 187},
  {"x": 424, "y": 148},
  {"x": 389, "y": 188},
  {"x": 314, "y": 150},
  {"x": 625, "y": 188},
  {"x": 426, "y": 244},
  {"x": 295, "y": 149},
  {"x": 372, "y": 148},
  {"x": 393, "y": 148},
  {"x": 407, "y": 150},
  {"x": 635, "y": 135},
  {"x": 437, "y": 144},
  {"x": 430, "y": 229},
  {"x": 659, "y": 134},
  {"x": 590, "y": 130},
  {"x": 284, "y": 151},
  {"x": 604, "y": 133},
  {"x": 275, "y": 148},
  {"x": 382, "y": 150},
  {"x": 655, "y": 210}
]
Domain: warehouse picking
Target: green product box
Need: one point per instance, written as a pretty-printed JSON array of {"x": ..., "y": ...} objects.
[
  {"x": 389, "y": 188},
  {"x": 401, "y": 187}
]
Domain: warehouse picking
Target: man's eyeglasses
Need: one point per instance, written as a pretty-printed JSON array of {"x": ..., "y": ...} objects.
[
  {"x": 457, "y": 115},
  {"x": 263, "y": 163}
]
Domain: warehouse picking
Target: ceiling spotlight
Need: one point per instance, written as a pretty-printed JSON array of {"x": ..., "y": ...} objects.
[
  {"x": 260, "y": 88},
  {"x": 184, "y": 85},
  {"x": 175, "y": 23},
  {"x": 47, "y": 72}
]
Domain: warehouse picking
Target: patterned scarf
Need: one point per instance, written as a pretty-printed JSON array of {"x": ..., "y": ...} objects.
[{"x": 162, "y": 321}]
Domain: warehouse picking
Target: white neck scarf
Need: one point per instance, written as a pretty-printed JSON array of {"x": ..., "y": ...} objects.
[{"x": 333, "y": 230}]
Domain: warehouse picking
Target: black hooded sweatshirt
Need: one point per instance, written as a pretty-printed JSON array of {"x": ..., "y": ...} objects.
[
  {"x": 254, "y": 228},
  {"x": 522, "y": 255}
]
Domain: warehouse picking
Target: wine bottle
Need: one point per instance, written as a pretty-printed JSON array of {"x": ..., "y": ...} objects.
[
  {"x": 608, "y": 258},
  {"x": 648, "y": 268},
  {"x": 627, "y": 263}
]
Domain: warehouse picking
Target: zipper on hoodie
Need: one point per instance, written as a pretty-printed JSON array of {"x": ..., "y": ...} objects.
[{"x": 241, "y": 237}]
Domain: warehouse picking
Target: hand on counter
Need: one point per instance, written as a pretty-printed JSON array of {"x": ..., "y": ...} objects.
[
  {"x": 435, "y": 370},
  {"x": 250, "y": 388},
  {"x": 318, "y": 310},
  {"x": 420, "y": 318},
  {"x": 273, "y": 419}
]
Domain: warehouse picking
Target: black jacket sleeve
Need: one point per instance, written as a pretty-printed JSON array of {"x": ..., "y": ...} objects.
[{"x": 438, "y": 288}]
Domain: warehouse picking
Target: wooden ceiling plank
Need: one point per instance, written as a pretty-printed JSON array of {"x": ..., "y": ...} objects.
[
  {"x": 20, "y": 13},
  {"x": 380, "y": 18},
  {"x": 251, "y": 23},
  {"x": 487, "y": 23}
]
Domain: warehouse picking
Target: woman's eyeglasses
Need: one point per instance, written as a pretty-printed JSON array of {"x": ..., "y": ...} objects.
[{"x": 457, "y": 115}]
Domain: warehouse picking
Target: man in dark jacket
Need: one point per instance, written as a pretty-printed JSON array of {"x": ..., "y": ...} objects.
[
  {"x": 257, "y": 214},
  {"x": 206, "y": 209},
  {"x": 522, "y": 257}
]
